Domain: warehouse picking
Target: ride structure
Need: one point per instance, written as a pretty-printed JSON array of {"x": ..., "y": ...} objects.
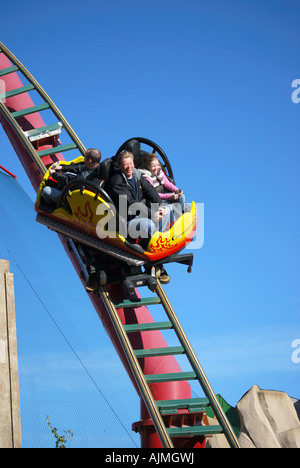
[{"x": 170, "y": 417}]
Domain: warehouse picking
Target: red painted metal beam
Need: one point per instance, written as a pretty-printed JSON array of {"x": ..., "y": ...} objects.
[{"x": 8, "y": 172}]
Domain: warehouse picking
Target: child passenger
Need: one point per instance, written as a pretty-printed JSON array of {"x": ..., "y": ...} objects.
[{"x": 167, "y": 191}]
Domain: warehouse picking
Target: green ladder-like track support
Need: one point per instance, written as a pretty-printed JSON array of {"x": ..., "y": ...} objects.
[
  {"x": 159, "y": 408},
  {"x": 12, "y": 117}
]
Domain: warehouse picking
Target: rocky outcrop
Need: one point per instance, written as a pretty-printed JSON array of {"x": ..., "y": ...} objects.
[{"x": 269, "y": 419}]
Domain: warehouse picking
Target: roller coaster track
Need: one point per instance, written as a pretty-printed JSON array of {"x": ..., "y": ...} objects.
[
  {"x": 176, "y": 420},
  {"x": 168, "y": 407},
  {"x": 12, "y": 117}
]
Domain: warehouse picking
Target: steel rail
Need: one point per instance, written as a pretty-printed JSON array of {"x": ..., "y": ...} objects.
[
  {"x": 23, "y": 139},
  {"x": 219, "y": 413},
  {"x": 136, "y": 370},
  {"x": 45, "y": 97}
]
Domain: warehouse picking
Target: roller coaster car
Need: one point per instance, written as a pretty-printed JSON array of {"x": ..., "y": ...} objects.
[{"x": 86, "y": 207}]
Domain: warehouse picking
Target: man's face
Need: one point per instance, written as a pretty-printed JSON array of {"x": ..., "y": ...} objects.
[{"x": 127, "y": 166}]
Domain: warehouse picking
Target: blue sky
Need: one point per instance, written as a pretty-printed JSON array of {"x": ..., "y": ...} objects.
[{"x": 210, "y": 82}]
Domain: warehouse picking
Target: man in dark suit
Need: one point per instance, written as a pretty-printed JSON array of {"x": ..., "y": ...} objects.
[
  {"x": 133, "y": 193},
  {"x": 62, "y": 175}
]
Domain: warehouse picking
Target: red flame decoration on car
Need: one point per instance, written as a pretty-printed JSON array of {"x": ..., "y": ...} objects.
[
  {"x": 162, "y": 244},
  {"x": 85, "y": 218}
]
